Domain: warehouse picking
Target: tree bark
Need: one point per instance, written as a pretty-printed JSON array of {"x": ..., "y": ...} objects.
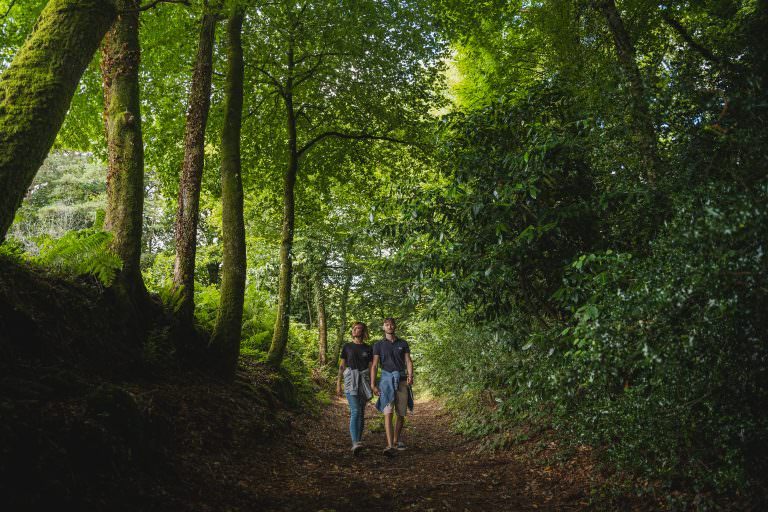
[
  {"x": 225, "y": 340},
  {"x": 125, "y": 149},
  {"x": 645, "y": 132},
  {"x": 37, "y": 88},
  {"x": 187, "y": 215},
  {"x": 343, "y": 309},
  {"x": 322, "y": 326},
  {"x": 280, "y": 336}
]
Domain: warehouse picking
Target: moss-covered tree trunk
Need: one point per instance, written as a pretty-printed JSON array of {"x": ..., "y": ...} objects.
[
  {"x": 225, "y": 341},
  {"x": 187, "y": 215},
  {"x": 645, "y": 131},
  {"x": 37, "y": 88},
  {"x": 322, "y": 324},
  {"x": 280, "y": 336},
  {"x": 125, "y": 149}
]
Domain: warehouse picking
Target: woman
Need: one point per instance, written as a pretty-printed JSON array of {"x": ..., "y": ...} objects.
[{"x": 354, "y": 367}]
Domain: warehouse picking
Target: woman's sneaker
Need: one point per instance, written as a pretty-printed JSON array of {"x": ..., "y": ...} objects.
[
  {"x": 357, "y": 448},
  {"x": 390, "y": 451}
]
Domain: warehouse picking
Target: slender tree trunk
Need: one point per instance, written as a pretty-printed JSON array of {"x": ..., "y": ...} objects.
[
  {"x": 122, "y": 119},
  {"x": 343, "y": 309},
  {"x": 37, "y": 88},
  {"x": 308, "y": 300},
  {"x": 187, "y": 214},
  {"x": 322, "y": 327},
  {"x": 226, "y": 335},
  {"x": 625, "y": 51},
  {"x": 280, "y": 336}
]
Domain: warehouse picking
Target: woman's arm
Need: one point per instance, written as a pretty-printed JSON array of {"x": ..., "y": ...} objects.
[{"x": 342, "y": 367}]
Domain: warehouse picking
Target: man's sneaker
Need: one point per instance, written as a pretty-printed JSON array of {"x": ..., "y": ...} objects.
[
  {"x": 357, "y": 448},
  {"x": 390, "y": 451},
  {"x": 400, "y": 446}
]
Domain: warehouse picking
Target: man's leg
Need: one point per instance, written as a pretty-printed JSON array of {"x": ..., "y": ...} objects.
[
  {"x": 388, "y": 428},
  {"x": 399, "y": 421},
  {"x": 401, "y": 409}
]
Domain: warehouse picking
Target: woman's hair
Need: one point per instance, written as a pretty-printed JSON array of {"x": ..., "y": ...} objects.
[{"x": 365, "y": 335}]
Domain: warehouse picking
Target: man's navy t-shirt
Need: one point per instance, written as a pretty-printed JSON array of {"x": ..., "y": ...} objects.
[
  {"x": 391, "y": 354},
  {"x": 357, "y": 356}
]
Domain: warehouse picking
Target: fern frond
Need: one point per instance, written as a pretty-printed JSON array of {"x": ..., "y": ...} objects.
[
  {"x": 82, "y": 252},
  {"x": 172, "y": 295}
]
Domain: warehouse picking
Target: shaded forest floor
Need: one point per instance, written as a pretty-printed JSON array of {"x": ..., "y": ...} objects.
[
  {"x": 91, "y": 421},
  {"x": 312, "y": 469}
]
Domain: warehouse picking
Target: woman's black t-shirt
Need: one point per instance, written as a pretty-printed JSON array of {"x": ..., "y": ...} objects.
[{"x": 357, "y": 357}]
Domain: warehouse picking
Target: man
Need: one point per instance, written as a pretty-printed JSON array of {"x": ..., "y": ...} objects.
[{"x": 394, "y": 389}]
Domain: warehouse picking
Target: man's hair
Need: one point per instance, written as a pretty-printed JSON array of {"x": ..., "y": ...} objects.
[{"x": 390, "y": 319}]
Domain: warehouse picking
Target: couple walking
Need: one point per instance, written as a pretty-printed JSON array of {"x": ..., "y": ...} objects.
[{"x": 357, "y": 370}]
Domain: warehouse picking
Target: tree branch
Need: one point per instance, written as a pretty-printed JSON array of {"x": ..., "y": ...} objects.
[
  {"x": 321, "y": 55},
  {"x": 688, "y": 38},
  {"x": 272, "y": 79},
  {"x": 154, "y": 3},
  {"x": 303, "y": 77},
  {"x": 350, "y": 136},
  {"x": 8, "y": 10}
]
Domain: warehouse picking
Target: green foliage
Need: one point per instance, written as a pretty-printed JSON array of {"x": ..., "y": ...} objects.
[
  {"x": 656, "y": 345},
  {"x": 12, "y": 249},
  {"x": 86, "y": 251},
  {"x": 565, "y": 291},
  {"x": 67, "y": 194},
  {"x": 171, "y": 295}
]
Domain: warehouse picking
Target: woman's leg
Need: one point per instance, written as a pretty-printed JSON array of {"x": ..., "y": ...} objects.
[
  {"x": 361, "y": 425},
  {"x": 354, "y": 415}
]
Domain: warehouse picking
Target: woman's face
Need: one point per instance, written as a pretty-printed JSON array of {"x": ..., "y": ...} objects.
[{"x": 357, "y": 331}]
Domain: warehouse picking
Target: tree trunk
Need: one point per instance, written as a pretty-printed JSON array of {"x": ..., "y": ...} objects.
[
  {"x": 280, "y": 336},
  {"x": 37, "y": 88},
  {"x": 322, "y": 327},
  {"x": 187, "y": 214},
  {"x": 343, "y": 309},
  {"x": 308, "y": 299},
  {"x": 226, "y": 335},
  {"x": 645, "y": 132},
  {"x": 125, "y": 149}
]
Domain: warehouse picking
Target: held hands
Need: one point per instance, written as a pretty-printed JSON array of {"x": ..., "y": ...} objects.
[{"x": 375, "y": 389}]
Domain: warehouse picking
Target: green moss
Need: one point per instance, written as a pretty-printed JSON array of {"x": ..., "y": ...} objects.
[{"x": 37, "y": 88}]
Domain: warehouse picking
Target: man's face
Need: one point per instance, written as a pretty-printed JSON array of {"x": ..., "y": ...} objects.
[{"x": 389, "y": 327}]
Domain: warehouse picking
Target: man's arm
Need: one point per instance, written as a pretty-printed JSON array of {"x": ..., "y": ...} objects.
[
  {"x": 409, "y": 368},
  {"x": 374, "y": 366}
]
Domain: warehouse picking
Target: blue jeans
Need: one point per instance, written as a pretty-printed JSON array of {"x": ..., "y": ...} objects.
[{"x": 356, "y": 416}]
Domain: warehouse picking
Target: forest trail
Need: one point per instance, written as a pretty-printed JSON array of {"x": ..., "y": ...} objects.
[{"x": 313, "y": 469}]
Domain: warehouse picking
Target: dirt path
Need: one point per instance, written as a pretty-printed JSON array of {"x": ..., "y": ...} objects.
[{"x": 315, "y": 471}]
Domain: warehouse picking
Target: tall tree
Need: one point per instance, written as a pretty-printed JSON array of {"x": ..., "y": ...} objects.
[
  {"x": 342, "y": 72},
  {"x": 641, "y": 116},
  {"x": 125, "y": 149},
  {"x": 192, "y": 168},
  {"x": 37, "y": 88},
  {"x": 225, "y": 340},
  {"x": 344, "y": 301}
]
